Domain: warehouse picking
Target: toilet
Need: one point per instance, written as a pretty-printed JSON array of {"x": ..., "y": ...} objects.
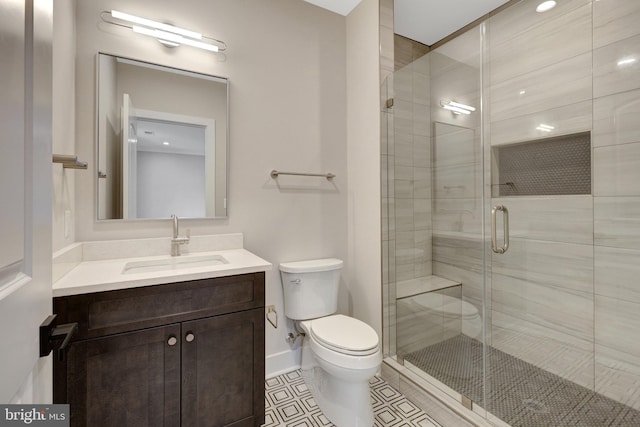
[{"x": 339, "y": 353}]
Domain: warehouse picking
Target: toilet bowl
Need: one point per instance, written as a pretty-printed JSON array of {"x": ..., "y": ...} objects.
[{"x": 339, "y": 353}]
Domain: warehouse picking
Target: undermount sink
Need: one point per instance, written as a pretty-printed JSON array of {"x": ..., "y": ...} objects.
[{"x": 173, "y": 263}]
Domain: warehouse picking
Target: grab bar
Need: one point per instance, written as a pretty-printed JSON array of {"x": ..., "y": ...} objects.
[
  {"x": 505, "y": 223},
  {"x": 275, "y": 173}
]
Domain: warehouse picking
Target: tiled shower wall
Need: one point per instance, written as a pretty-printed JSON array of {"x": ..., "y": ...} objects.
[
  {"x": 405, "y": 51},
  {"x": 565, "y": 296},
  {"x": 457, "y": 166},
  {"x": 405, "y": 232},
  {"x": 542, "y": 287},
  {"x": 406, "y": 160},
  {"x": 412, "y": 171},
  {"x": 386, "y": 190},
  {"x": 616, "y": 208}
]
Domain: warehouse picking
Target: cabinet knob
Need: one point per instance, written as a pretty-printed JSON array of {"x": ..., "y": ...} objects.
[
  {"x": 190, "y": 337},
  {"x": 172, "y": 340}
]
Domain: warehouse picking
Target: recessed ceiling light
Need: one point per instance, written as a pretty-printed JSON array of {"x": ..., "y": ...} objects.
[
  {"x": 522, "y": 92},
  {"x": 545, "y": 6},
  {"x": 165, "y": 143}
]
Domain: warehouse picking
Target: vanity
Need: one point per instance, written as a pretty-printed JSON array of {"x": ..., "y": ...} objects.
[{"x": 162, "y": 341}]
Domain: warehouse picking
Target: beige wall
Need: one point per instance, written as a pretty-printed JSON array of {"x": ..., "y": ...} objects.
[
  {"x": 63, "y": 118},
  {"x": 363, "y": 156},
  {"x": 287, "y": 68}
]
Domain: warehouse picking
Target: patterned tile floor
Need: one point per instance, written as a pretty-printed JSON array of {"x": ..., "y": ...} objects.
[
  {"x": 521, "y": 394},
  {"x": 289, "y": 403}
]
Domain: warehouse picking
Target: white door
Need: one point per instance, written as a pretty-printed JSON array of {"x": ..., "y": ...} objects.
[
  {"x": 25, "y": 195},
  {"x": 129, "y": 159}
]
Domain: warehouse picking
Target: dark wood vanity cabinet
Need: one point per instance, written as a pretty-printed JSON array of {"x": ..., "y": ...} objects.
[{"x": 181, "y": 354}]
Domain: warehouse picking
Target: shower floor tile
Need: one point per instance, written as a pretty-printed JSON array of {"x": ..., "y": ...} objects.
[
  {"x": 289, "y": 403},
  {"x": 519, "y": 393}
]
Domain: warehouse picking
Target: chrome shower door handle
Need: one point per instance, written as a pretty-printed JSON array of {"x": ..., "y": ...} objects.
[{"x": 505, "y": 222}]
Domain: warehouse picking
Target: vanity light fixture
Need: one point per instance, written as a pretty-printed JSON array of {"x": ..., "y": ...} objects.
[
  {"x": 546, "y": 6},
  {"x": 456, "y": 107},
  {"x": 168, "y": 35},
  {"x": 153, "y": 24}
]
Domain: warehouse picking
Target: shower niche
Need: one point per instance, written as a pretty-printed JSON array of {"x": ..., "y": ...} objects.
[{"x": 543, "y": 167}]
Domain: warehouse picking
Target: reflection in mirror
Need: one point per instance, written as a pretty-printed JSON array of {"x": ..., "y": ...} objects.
[{"x": 162, "y": 141}]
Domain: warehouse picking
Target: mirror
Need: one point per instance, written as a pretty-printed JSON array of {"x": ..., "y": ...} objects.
[{"x": 162, "y": 141}]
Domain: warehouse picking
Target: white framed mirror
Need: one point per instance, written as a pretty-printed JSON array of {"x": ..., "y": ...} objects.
[{"x": 162, "y": 141}]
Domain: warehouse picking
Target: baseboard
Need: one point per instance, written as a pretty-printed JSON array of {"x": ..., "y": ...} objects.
[{"x": 281, "y": 363}]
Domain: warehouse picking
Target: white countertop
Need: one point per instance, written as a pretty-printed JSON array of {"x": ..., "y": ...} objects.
[{"x": 98, "y": 275}]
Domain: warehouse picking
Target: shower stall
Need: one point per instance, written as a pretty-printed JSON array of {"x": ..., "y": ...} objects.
[{"x": 511, "y": 216}]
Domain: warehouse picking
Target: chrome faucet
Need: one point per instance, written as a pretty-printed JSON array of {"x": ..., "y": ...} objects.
[{"x": 176, "y": 241}]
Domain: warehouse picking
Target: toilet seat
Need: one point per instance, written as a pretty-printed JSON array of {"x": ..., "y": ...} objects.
[{"x": 344, "y": 335}]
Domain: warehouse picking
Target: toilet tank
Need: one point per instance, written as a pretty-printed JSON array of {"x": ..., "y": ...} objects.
[{"x": 310, "y": 287}]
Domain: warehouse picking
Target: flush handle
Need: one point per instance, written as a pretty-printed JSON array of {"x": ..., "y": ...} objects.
[
  {"x": 274, "y": 321},
  {"x": 296, "y": 281}
]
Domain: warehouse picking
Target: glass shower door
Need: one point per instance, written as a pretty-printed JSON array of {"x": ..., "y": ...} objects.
[
  {"x": 546, "y": 160},
  {"x": 432, "y": 236},
  {"x": 540, "y": 361},
  {"x": 540, "y": 365}
]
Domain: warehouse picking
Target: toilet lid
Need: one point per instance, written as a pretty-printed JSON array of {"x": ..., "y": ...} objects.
[{"x": 345, "y": 334}]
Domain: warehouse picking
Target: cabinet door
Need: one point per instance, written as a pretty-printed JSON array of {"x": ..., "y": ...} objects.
[
  {"x": 223, "y": 370},
  {"x": 130, "y": 379}
]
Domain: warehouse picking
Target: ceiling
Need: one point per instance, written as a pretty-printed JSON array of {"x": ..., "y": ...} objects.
[
  {"x": 426, "y": 21},
  {"x": 429, "y": 21},
  {"x": 343, "y": 7},
  {"x": 170, "y": 137}
]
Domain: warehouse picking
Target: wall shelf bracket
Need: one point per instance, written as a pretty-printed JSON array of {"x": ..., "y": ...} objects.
[{"x": 69, "y": 162}]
